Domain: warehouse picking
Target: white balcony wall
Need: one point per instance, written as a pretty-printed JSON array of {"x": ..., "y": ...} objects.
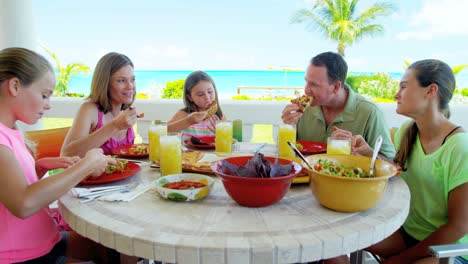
[{"x": 250, "y": 112}]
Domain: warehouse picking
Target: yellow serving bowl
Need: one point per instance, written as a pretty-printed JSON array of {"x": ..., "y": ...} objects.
[{"x": 349, "y": 194}]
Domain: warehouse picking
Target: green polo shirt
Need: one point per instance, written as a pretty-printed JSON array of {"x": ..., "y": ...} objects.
[{"x": 360, "y": 116}]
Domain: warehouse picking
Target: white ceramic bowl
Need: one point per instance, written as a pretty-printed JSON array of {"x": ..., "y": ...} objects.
[{"x": 192, "y": 194}]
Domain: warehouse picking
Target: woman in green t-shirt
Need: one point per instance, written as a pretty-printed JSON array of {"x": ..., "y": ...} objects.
[{"x": 433, "y": 153}]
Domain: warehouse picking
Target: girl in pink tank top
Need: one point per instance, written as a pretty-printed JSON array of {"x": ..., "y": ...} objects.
[{"x": 27, "y": 231}]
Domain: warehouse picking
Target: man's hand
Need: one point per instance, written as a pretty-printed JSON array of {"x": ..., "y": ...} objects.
[{"x": 291, "y": 114}]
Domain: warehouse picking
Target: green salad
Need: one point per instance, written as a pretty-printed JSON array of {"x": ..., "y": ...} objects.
[{"x": 331, "y": 168}]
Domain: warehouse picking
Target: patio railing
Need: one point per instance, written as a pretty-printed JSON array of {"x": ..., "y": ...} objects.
[{"x": 250, "y": 112}]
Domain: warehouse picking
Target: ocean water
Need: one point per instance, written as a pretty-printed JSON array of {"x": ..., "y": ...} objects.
[{"x": 153, "y": 81}]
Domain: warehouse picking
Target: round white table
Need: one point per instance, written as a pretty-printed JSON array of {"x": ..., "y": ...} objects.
[{"x": 217, "y": 230}]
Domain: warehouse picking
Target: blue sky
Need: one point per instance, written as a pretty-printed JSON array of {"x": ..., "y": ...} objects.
[{"x": 241, "y": 34}]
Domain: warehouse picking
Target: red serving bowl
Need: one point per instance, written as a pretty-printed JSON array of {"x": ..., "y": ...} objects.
[{"x": 256, "y": 192}]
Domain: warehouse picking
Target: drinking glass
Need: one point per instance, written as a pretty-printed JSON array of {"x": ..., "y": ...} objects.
[
  {"x": 154, "y": 133},
  {"x": 237, "y": 129},
  {"x": 286, "y": 133},
  {"x": 338, "y": 145},
  {"x": 170, "y": 154},
  {"x": 223, "y": 141}
]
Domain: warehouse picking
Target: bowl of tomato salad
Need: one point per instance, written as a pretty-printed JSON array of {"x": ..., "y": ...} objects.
[{"x": 184, "y": 187}]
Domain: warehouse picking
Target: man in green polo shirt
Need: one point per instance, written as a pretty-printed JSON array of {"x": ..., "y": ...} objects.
[{"x": 336, "y": 109}]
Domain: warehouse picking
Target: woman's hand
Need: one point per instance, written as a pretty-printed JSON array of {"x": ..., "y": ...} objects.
[
  {"x": 98, "y": 161},
  {"x": 126, "y": 119},
  {"x": 290, "y": 114},
  {"x": 56, "y": 162},
  {"x": 196, "y": 117}
]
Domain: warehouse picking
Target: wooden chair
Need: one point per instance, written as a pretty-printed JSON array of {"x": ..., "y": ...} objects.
[{"x": 48, "y": 141}]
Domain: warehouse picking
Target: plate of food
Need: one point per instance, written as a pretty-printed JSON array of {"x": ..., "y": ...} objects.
[
  {"x": 310, "y": 147},
  {"x": 115, "y": 172},
  {"x": 133, "y": 151},
  {"x": 201, "y": 142}
]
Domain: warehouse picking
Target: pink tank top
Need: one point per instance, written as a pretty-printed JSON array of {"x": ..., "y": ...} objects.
[
  {"x": 24, "y": 239},
  {"x": 113, "y": 143}
]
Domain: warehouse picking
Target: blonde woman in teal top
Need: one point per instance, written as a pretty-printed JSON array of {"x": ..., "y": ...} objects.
[{"x": 433, "y": 153}]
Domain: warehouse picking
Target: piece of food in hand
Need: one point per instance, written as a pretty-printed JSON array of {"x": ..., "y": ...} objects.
[
  {"x": 141, "y": 115},
  {"x": 119, "y": 167},
  {"x": 303, "y": 102},
  {"x": 211, "y": 110}
]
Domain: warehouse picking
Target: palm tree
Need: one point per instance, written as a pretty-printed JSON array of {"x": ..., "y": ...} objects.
[
  {"x": 340, "y": 21},
  {"x": 64, "y": 74}
]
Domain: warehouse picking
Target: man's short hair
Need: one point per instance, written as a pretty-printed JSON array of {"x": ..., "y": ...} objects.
[{"x": 335, "y": 64}]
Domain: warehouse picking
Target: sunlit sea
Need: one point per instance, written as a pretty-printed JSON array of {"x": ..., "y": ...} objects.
[{"x": 152, "y": 81}]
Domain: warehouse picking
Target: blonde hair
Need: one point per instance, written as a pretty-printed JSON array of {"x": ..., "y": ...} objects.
[
  {"x": 26, "y": 65},
  {"x": 105, "y": 68},
  {"x": 427, "y": 72}
]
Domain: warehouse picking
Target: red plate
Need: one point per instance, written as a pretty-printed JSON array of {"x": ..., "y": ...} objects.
[
  {"x": 124, "y": 152},
  {"x": 130, "y": 170},
  {"x": 312, "y": 147},
  {"x": 207, "y": 139}
]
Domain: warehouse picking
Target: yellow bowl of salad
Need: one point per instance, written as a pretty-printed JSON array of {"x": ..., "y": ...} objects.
[{"x": 342, "y": 182}]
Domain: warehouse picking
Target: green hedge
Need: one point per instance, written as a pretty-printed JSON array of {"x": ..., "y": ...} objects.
[
  {"x": 174, "y": 89},
  {"x": 379, "y": 85}
]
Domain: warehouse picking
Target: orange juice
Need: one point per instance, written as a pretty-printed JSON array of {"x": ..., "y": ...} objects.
[
  {"x": 338, "y": 145},
  {"x": 154, "y": 133},
  {"x": 223, "y": 141},
  {"x": 170, "y": 155},
  {"x": 286, "y": 133}
]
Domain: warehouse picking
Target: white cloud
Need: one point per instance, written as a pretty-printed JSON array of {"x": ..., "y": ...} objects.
[{"x": 437, "y": 18}]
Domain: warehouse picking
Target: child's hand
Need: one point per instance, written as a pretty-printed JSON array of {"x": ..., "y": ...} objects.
[
  {"x": 125, "y": 119},
  {"x": 56, "y": 162},
  {"x": 98, "y": 161},
  {"x": 196, "y": 117}
]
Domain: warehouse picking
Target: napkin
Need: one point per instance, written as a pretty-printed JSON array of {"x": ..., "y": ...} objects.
[
  {"x": 126, "y": 196},
  {"x": 97, "y": 191}
]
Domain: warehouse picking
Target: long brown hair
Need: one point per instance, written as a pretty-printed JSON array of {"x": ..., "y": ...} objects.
[
  {"x": 427, "y": 72},
  {"x": 106, "y": 66},
  {"x": 192, "y": 80}
]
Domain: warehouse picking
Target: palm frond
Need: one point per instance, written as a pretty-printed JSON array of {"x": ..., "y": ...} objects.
[{"x": 458, "y": 68}]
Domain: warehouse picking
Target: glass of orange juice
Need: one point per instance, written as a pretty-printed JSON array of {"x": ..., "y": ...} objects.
[
  {"x": 154, "y": 133},
  {"x": 223, "y": 142},
  {"x": 170, "y": 154},
  {"x": 286, "y": 133},
  {"x": 338, "y": 145}
]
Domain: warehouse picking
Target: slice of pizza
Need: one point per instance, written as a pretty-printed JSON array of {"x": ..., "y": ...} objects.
[
  {"x": 303, "y": 102},
  {"x": 212, "y": 109}
]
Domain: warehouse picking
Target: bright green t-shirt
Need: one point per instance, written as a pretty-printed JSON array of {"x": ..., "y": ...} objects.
[{"x": 430, "y": 178}]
